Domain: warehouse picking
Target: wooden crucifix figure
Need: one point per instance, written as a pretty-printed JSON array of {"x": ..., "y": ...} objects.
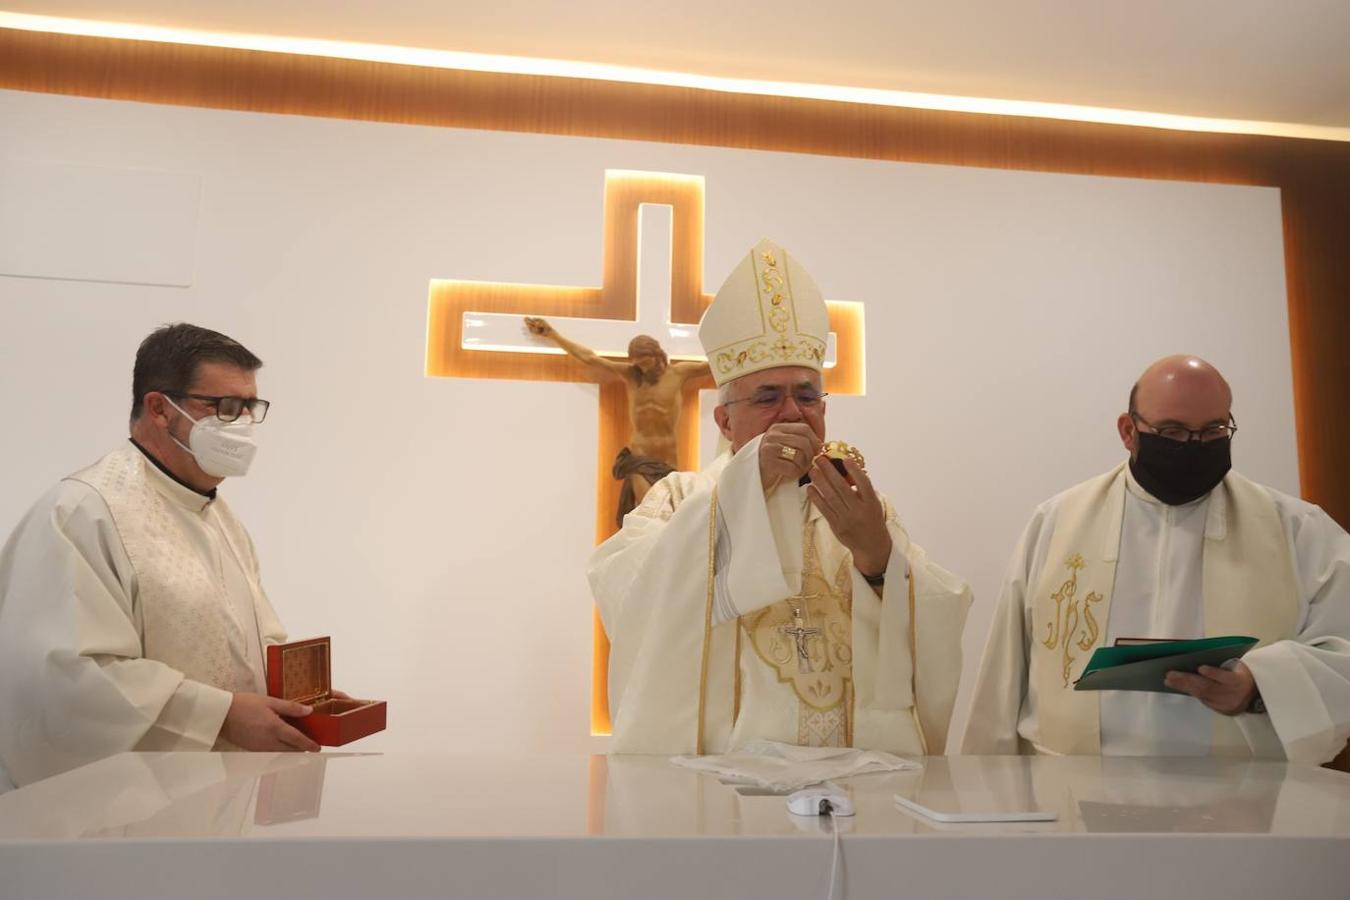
[{"x": 655, "y": 387}]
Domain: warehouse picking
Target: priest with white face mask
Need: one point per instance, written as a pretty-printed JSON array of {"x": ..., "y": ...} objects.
[
  {"x": 770, "y": 596},
  {"x": 1172, "y": 544},
  {"x": 131, "y": 612}
]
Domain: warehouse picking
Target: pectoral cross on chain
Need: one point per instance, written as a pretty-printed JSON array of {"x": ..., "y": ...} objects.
[{"x": 800, "y": 632}]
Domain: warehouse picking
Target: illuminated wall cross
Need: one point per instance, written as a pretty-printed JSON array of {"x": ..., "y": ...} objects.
[{"x": 476, "y": 330}]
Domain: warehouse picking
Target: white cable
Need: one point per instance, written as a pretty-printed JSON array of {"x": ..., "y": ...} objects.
[{"x": 838, "y": 851}]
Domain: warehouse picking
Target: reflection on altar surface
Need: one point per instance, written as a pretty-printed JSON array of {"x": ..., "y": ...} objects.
[
  {"x": 187, "y": 795},
  {"x": 448, "y": 825},
  {"x": 1088, "y": 794}
]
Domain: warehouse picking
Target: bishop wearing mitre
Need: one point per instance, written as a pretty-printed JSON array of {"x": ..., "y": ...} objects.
[{"x": 775, "y": 594}]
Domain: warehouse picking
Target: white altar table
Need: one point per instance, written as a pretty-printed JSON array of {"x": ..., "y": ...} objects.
[{"x": 353, "y": 825}]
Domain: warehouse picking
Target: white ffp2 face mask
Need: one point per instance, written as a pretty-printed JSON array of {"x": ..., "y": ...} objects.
[{"x": 222, "y": 449}]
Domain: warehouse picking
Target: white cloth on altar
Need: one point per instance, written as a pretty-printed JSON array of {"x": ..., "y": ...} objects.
[
  {"x": 786, "y": 767},
  {"x": 650, "y": 583},
  {"x": 1304, "y": 681},
  {"x": 76, "y": 617}
]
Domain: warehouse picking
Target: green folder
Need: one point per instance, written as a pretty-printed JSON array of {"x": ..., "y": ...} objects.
[{"x": 1142, "y": 667}]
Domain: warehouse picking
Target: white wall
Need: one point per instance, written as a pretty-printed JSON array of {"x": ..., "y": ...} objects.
[{"x": 437, "y": 529}]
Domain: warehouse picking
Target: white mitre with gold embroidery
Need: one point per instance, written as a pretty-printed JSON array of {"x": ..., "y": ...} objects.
[{"x": 768, "y": 313}]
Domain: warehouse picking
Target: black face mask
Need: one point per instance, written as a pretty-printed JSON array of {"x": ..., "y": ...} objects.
[{"x": 1178, "y": 472}]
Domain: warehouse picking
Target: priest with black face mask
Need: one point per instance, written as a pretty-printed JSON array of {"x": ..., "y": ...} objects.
[{"x": 1172, "y": 544}]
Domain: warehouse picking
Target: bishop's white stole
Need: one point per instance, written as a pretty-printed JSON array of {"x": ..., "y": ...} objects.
[{"x": 1249, "y": 588}]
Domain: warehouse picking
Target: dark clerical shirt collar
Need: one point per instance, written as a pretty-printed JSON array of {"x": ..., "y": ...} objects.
[{"x": 209, "y": 495}]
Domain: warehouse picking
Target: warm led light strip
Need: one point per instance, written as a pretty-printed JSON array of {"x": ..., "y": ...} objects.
[{"x": 520, "y": 65}]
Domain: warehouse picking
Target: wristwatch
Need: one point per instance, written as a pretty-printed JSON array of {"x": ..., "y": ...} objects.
[
  {"x": 875, "y": 580},
  {"x": 1257, "y": 706}
]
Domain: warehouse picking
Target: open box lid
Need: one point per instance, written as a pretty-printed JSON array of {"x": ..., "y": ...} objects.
[{"x": 304, "y": 672}]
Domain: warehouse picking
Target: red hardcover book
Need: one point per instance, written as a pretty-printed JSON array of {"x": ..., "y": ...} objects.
[{"x": 301, "y": 671}]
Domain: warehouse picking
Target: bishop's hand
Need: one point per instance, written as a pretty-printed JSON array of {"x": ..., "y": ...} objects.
[
  {"x": 785, "y": 452},
  {"x": 255, "y": 722},
  {"x": 854, "y": 513}
]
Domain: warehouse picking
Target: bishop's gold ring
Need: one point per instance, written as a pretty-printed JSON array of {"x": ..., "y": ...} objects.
[{"x": 788, "y": 453}]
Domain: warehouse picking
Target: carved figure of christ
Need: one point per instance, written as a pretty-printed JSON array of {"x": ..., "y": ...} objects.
[{"x": 654, "y": 386}]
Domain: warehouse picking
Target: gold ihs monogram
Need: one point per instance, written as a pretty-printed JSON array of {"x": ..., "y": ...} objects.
[{"x": 1065, "y": 632}]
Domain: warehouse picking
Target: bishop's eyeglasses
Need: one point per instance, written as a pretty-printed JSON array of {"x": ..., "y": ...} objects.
[
  {"x": 1215, "y": 431},
  {"x": 768, "y": 399},
  {"x": 229, "y": 409}
]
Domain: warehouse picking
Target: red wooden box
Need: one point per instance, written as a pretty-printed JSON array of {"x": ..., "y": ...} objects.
[{"x": 301, "y": 671}]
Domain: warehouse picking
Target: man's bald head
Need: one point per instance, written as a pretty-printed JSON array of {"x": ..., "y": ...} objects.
[
  {"x": 1177, "y": 390},
  {"x": 1179, "y": 385}
]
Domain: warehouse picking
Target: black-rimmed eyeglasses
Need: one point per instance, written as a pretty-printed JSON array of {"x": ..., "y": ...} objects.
[
  {"x": 229, "y": 409},
  {"x": 1184, "y": 435}
]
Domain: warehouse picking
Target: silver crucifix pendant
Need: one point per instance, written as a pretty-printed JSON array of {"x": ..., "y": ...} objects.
[{"x": 800, "y": 632}]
